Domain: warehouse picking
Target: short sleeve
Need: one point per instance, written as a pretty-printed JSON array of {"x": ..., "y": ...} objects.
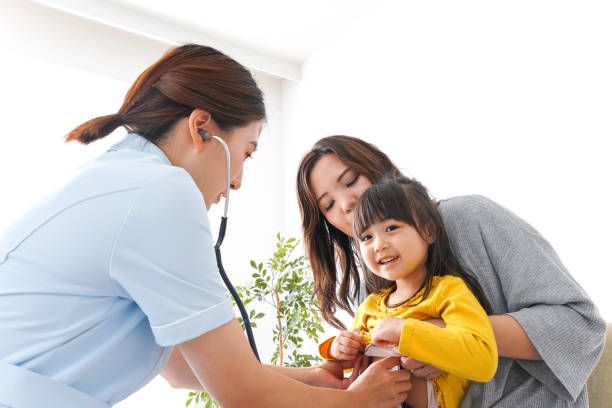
[
  {"x": 163, "y": 259},
  {"x": 557, "y": 315}
]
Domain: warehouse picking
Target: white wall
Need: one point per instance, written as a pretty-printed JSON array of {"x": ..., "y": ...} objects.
[
  {"x": 510, "y": 100},
  {"x": 506, "y": 100}
]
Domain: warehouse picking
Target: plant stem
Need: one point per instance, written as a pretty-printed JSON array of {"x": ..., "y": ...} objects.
[{"x": 280, "y": 327}]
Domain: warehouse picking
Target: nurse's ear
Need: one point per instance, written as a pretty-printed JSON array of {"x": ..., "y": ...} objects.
[{"x": 201, "y": 127}]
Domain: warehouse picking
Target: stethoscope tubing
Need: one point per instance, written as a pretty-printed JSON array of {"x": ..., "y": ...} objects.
[
  {"x": 230, "y": 287},
  {"x": 220, "y": 237}
]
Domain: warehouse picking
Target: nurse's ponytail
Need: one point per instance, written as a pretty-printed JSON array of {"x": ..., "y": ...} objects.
[{"x": 185, "y": 78}]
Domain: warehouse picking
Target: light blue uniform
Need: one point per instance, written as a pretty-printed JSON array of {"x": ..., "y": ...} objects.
[{"x": 102, "y": 278}]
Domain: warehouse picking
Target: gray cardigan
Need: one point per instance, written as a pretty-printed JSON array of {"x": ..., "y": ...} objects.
[{"x": 522, "y": 276}]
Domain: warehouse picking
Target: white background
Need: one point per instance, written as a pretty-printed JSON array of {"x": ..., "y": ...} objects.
[{"x": 508, "y": 100}]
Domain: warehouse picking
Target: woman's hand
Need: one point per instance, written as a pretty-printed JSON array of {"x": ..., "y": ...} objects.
[
  {"x": 388, "y": 331},
  {"x": 420, "y": 369},
  {"x": 380, "y": 387},
  {"x": 347, "y": 345},
  {"x": 330, "y": 374}
]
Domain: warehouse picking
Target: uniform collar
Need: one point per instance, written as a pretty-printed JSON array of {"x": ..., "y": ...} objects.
[{"x": 133, "y": 141}]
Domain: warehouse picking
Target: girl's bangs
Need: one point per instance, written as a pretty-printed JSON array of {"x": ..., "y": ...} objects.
[{"x": 373, "y": 208}]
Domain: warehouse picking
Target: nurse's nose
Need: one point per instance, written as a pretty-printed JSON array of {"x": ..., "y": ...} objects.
[{"x": 237, "y": 181}]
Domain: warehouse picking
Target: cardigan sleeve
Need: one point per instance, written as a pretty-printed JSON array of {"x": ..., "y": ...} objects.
[{"x": 557, "y": 315}]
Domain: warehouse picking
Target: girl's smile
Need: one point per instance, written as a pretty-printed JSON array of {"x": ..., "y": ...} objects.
[{"x": 395, "y": 250}]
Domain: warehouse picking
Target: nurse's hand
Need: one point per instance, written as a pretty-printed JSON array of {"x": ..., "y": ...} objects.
[
  {"x": 380, "y": 386},
  {"x": 330, "y": 374}
]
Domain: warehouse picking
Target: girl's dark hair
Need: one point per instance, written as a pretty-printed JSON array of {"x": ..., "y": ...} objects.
[
  {"x": 405, "y": 199},
  {"x": 325, "y": 244},
  {"x": 185, "y": 78}
]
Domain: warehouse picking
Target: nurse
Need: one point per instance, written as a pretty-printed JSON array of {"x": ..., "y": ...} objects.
[{"x": 112, "y": 279}]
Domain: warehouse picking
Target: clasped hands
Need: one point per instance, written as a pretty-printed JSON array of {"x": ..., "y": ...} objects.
[{"x": 349, "y": 345}]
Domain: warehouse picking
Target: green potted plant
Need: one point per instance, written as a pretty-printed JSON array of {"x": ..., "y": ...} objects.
[{"x": 284, "y": 283}]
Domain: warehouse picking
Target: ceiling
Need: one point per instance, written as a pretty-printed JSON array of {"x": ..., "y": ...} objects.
[
  {"x": 274, "y": 36},
  {"x": 288, "y": 29}
]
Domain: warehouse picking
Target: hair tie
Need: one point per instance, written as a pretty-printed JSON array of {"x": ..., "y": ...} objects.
[{"x": 119, "y": 118}]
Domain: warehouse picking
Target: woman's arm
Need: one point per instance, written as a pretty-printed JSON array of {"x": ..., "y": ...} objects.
[
  {"x": 178, "y": 373},
  {"x": 525, "y": 278},
  {"x": 222, "y": 361},
  {"x": 329, "y": 374},
  {"x": 512, "y": 341}
]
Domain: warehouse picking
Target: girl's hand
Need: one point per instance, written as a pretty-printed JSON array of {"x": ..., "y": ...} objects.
[
  {"x": 347, "y": 345},
  {"x": 388, "y": 331},
  {"x": 420, "y": 369}
]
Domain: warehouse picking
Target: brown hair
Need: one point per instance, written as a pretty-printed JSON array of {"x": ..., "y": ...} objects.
[
  {"x": 183, "y": 79},
  {"x": 325, "y": 243},
  {"x": 404, "y": 199}
]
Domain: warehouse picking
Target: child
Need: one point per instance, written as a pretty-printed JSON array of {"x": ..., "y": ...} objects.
[{"x": 413, "y": 276}]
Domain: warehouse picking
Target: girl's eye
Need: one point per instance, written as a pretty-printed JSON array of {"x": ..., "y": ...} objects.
[
  {"x": 329, "y": 206},
  {"x": 353, "y": 181},
  {"x": 391, "y": 228},
  {"x": 365, "y": 237},
  {"x": 248, "y": 156}
]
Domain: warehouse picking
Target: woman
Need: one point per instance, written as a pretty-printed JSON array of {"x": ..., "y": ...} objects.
[
  {"x": 548, "y": 332},
  {"x": 113, "y": 278}
]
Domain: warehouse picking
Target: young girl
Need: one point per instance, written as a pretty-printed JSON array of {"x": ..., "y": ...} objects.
[{"x": 413, "y": 276}]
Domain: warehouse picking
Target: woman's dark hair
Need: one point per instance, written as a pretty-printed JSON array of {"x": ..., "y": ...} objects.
[
  {"x": 185, "y": 78},
  {"x": 404, "y": 199},
  {"x": 325, "y": 244}
]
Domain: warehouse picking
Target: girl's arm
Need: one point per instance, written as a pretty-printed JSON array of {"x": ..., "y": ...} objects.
[
  {"x": 222, "y": 361},
  {"x": 465, "y": 347},
  {"x": 511, "y": 339}
]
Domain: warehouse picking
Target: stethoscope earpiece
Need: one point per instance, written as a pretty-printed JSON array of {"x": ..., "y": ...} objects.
[{"x": 205, "y": 135}]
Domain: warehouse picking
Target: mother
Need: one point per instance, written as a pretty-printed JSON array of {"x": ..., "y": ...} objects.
[{"x": 549, "y": 333}]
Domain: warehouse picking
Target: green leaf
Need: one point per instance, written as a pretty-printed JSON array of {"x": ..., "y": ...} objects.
[{"x": 188, "y": 402}]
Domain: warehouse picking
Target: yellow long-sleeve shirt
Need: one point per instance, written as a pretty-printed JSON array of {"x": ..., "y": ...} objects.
[{"x": 465, "y": 349}]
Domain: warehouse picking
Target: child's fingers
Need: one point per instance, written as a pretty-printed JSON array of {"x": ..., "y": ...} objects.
[
  {"x": 349, "y": 344},
  {"x": 345, "y": 353},
  {"x": 352, "y": 336}
]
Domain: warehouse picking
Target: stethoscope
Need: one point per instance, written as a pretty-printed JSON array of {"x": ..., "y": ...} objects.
[{"x": 245, "y": 317}]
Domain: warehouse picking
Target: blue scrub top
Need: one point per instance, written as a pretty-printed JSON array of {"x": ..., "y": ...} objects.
[{"x": 102, "y": 278}]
